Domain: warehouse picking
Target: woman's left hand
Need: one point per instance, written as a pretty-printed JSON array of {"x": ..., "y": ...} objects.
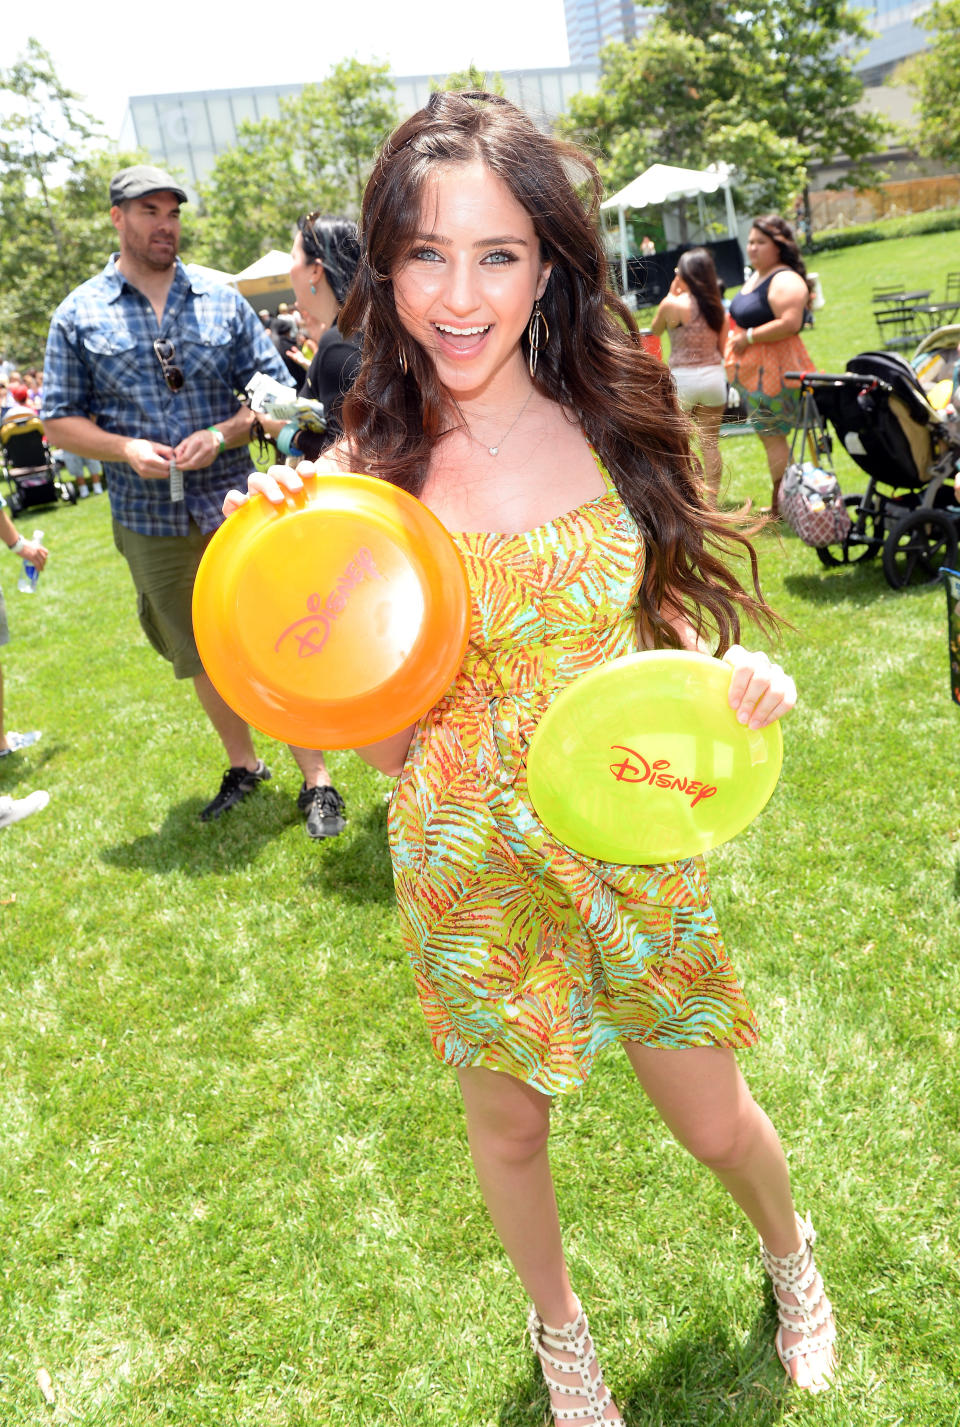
[
  {"x": 760, "y": 691},
  {"x": 738, "y": 342},
  {"x": 276, "y": 484}
]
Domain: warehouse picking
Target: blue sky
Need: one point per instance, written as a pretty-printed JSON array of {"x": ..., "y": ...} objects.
[{"x": 110, "y": 51}]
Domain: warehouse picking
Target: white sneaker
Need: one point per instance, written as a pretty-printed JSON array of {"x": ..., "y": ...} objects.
[
  {"x": 16, "y": 741},
  {"x": 14, "y": 810}
]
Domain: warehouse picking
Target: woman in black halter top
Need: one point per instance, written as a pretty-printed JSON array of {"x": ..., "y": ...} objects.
[{"x": 764, "y": 342}]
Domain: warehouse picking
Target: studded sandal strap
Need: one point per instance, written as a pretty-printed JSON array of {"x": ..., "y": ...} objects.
[
  {"x": 797, "y": 1274},
  {"x": 571, "y": 1338}
]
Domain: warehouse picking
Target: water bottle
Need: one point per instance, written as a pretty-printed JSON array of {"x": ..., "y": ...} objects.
[{"x": 30, "y": 575}]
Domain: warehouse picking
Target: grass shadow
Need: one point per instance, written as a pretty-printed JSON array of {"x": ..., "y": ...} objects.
[
  {"x": 704, "y": 1377},
  {"x": 28, "y": 764},
  {"x": 356, "y": 865},
  {"x": 856, "y": 585},
  {"x": 183, "y": 844}
]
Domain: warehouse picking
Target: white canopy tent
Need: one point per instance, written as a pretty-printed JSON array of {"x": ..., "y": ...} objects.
[
  {"x": 269, "y": 275},
  {"x": 216, "y": 275},
  {"x": 663, "y": 183}
]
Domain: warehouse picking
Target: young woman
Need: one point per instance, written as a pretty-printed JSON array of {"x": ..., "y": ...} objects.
[
  {"x": 763, "y": 341},
  {"x": 694, "y": 315},
  {"x": 323, "y": 261},
  {"x": 504, "y": 385}
]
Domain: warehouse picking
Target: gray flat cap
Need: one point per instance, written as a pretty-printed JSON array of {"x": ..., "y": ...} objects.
[{"x": 142, "y": 179}]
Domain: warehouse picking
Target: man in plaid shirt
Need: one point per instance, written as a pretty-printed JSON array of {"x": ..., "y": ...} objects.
[{"x": 143, "y": 368}]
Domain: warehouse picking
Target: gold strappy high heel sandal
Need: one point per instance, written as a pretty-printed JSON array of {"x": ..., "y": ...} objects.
[
  {"x": 810, "y": 1315},
  {"x": 574, "y": 1377}
]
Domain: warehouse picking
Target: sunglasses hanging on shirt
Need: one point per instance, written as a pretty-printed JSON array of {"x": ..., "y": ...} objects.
[{"x": 167, "y": 357}]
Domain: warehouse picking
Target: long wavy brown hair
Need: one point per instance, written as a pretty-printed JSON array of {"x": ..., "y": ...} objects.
[
  {"x": 699, "y": 272},
  {"x": 594, "y": 364}
]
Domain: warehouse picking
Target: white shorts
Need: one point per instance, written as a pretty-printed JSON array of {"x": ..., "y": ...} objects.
[{"x": 700, "y": 386}]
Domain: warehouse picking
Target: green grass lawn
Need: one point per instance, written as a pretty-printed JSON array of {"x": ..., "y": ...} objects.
[{"x": 234, "y": 1189}]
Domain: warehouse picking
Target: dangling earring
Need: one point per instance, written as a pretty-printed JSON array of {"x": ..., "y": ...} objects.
[
  {"x": 536, "y": 337},
  {"x": 402, "y": 357},
  {"x": 313, "y": 288}
]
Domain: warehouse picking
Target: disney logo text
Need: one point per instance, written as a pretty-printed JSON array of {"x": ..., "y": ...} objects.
[
  {"x": 312, "y": 631},
  {"x": 656, "y": 774}
]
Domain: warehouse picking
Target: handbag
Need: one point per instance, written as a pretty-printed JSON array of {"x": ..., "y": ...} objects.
[
  {"x": 810, "y": 499},
  {"x": 811, "y": 502}
]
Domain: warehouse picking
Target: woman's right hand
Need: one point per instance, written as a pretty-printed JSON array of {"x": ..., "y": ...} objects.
[{"x": 276, "y": 484}]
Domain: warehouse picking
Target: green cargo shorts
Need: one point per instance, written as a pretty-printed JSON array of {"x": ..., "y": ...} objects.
[{"x": 163, "y": 569}]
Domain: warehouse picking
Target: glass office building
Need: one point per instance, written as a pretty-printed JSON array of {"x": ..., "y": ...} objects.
[
  {"x": 185, "y": 132},
  {"x": 591, "y": 24},
  {"x": 897, "y": 35}
]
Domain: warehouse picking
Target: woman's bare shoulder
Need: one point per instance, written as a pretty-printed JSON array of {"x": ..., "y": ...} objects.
[{"x": 788, "y": 283}]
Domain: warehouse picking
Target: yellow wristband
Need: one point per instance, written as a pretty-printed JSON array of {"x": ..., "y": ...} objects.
[{"x": 220, "y": 437}]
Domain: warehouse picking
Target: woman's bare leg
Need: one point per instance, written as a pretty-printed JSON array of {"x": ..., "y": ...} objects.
[
  {"x": 508, "y": 1126},
  {"x": 708, "y": 419},
  {"x": 778, "y": 457},
  {"x": 704, "y": 1101}
]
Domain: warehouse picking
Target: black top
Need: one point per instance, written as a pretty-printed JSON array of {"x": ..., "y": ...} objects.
[
  {"x": 330, "y": 377},
  {"x": 752, "y": 309}
]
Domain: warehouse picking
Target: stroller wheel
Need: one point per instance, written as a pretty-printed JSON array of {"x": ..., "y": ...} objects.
[
  {"x": 863, "y": 541},
  {"x": 917, "y": 546}
]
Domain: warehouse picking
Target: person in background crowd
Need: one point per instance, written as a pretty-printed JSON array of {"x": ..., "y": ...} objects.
[
  {"x": 79, "y": 467},
  {"x": 763, "y": 338},
  {"x": 33, "y": 554},
  {"x": 694, "y": 315},
  {"x": 324, "y": 261},
  {"x": 143, "y": 367}
]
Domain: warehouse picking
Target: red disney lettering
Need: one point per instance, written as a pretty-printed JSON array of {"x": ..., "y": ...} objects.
[
  {"x": 312, "y": 630},
  {"x": 639, "y": 770}
]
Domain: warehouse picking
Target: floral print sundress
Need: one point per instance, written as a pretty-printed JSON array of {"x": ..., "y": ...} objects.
[{"x": 529, "y": 957}]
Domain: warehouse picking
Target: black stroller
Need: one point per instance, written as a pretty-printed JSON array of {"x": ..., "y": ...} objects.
[
  {"x": 30, "y": 470},
  {"x": 908, "y": 450}
]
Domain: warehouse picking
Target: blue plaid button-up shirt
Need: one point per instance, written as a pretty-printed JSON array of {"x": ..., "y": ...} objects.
[{"x": 100, "y": 363}]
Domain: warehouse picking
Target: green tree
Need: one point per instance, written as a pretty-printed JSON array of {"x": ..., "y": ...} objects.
[
  {"x": 470, "y": 78},
  {"x": 55, "y": 229},
  {"x": 807, "y": 49},
  {"x": 768, "y": 86},
  {"x": 665, "y": 99},
  {"x": 936, "y": 76},
  {"x": 44, "y": 126},
  {"x": 253, "y": 196},
  {"x": 318, "y": 154},
  {"x": 340, "y": 124}
]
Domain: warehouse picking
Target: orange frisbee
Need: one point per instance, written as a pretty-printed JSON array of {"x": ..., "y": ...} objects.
[{"x": 335, "y": 619}]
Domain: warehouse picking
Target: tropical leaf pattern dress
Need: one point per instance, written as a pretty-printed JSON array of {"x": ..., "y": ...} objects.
[{"x": 527, "y": 956}]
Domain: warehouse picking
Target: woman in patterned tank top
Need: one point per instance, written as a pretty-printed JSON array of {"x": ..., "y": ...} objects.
[{"x": 693, "y": 314}]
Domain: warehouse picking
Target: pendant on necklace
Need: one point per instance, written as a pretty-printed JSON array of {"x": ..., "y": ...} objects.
[{"x": 494, "y": 450}]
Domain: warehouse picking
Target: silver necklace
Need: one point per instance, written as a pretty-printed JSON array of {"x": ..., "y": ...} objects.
[{"x": 495, "y": 450}]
